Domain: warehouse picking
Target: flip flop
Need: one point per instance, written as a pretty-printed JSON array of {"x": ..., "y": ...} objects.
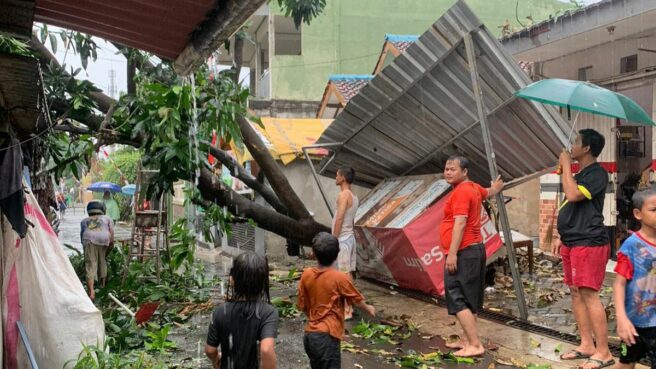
[
  {"x": 577, "y": 355},
  {"x": 602, "y": 364}
]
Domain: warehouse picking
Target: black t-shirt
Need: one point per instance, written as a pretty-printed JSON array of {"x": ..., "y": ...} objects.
[
  {"x": 238, "y": 332},
  {"x": 581, "y": 223}
]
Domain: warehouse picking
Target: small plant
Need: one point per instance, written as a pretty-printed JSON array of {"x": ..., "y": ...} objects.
[
  {"x": 157, "y": 340},
  {"x": 93, "y": 357}
]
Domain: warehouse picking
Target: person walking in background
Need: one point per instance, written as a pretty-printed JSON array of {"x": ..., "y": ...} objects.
[
  {"x": 112, "y": 206},
  {"x": 634, "y": 291},
  {"x": 585, "y": 247},
  {"x": 323, "y": 292},
  {"x": 61, "y": 204},
  {"x": 460, "y": 234},
  {"x": 246, "y": 319},
  {"x": 342, "y": 225},
  {"x": 97, "y": 236}
]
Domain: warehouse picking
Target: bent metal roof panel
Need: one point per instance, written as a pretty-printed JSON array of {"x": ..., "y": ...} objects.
[{"x": 420, "y": 109}]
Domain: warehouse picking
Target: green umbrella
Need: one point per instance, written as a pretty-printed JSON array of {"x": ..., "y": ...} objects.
[{"x": 584, "y": 96}]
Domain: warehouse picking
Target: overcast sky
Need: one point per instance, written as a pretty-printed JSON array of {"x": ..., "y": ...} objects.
[{"x": 99, "y": 71}]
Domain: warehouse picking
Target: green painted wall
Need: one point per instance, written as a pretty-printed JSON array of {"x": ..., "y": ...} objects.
[{"x": 348, "y": 37}]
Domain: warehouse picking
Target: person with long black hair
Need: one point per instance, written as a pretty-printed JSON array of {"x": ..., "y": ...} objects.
[{"x": 245, "y": 327}]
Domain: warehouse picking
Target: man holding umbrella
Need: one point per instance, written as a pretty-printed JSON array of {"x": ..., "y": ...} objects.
[{"x": 585, "y": 246}]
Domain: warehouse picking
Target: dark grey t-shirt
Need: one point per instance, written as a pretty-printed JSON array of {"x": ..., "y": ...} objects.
[{"x": 238, "y": 332}]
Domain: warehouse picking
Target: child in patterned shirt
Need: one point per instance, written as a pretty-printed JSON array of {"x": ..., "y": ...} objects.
[{"x": 635, "y": 286}]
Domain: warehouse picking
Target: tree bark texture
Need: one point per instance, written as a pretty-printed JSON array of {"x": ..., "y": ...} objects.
[
  {"x": 272, "y": 171},
  {"x": 212, "y": 189}
]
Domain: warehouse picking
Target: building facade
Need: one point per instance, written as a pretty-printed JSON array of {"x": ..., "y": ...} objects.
[
  {"x": 294, "y": 64},
  {"x": 612, "y": 44}
]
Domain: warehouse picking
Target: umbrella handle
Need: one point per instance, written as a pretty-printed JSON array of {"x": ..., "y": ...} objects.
[
  {"x": 559, "y": 170},
  {"x": 569, "y": 137}
]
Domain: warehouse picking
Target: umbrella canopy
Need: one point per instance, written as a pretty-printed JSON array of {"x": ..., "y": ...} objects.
[
  {"x": 585, "y": 97},
  {"x": 129, "y": 190},
  {"x": 104, "y": 186}
]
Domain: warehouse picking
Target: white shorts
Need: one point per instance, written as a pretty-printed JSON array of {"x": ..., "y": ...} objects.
[{"x": 347, "y": 255}]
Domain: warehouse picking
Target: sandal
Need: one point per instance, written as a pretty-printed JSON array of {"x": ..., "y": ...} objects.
[
  {"x": 576, "y": 355},
  {"x": 601, "y": 363}
]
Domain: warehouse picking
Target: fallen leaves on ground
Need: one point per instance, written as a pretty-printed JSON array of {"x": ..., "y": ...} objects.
[
  {"x": 286, "y": 308},
  {"x": 378, "y": 333},
  {"x": 191, "y": 309}
]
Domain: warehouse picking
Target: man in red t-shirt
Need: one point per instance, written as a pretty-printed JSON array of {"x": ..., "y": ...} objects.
[{"x": 460, "y": 234}]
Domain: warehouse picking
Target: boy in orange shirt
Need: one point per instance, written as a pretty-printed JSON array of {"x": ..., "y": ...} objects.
[{"x": 322, "y": 292}]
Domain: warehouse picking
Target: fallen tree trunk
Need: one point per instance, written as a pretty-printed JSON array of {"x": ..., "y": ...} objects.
[{"x": 289, "y": 217}]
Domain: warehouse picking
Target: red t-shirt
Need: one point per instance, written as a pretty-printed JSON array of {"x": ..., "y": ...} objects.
[{"x": 466, "y": 200}]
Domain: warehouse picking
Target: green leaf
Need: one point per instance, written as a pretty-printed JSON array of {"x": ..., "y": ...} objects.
[
  {"x": 538, "y": 366},
  {"x": 558, "y": 348},
  {"x": 53, "y": 44},
  {"x": 44, "y": 33}
]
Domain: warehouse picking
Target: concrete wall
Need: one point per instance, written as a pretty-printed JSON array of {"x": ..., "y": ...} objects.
[
  {"x": 522, "y": 212},
  {"x": 299, "y": 175},
  {"x": 284, "y": 108},
  {"x": 604, "y": 59},
  {"x": 348, "y": 36}
]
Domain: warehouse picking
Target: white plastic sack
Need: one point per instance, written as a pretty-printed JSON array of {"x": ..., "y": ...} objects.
[{"x": 40, "y": 288}]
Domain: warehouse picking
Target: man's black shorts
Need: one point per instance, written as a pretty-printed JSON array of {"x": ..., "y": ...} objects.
[
  {"x": 466, "y": 287},
  {"x": 323, "y": 350},
  {"x": 645, "y": 347}
]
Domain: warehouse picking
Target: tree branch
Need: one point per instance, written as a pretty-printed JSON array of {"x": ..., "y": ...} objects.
[
  {"x": 272, "y": 171},
  {"x": 300, "y": 231},
  {"x": 238, "y": 171},
  {"x": 46, "y": 58}
]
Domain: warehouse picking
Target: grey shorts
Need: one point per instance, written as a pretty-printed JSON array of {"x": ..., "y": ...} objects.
[{"x": 466, "y": 288}]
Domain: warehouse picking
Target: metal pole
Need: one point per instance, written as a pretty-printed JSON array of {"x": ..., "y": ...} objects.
[
  {"x": 28, "y": 347},
  {"x": 487, "y": 139},
  {"x": 316, "y": 179}
]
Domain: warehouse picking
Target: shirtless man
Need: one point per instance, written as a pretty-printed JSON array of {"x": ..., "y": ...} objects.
[{"x": 342, "y": 228}]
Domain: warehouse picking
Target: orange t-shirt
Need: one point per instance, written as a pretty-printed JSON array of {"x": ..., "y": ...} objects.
[
  {"x": 466, "y": 199},
  {"x": 321, "y": 295}
]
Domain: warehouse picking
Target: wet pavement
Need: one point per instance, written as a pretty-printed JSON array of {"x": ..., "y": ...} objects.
[
  {"x": 514, "y": 347},
  {"x": 69, "y": 228},
  {"x": 548, "y": 299}
]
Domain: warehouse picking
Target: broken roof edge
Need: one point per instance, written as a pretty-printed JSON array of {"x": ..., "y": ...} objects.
[
  {"x": 342, "y": 77},
  {"x": 214, "y": 32},
  {"x": 571, "y": 14},
  {"x": 401, "y": 38}
]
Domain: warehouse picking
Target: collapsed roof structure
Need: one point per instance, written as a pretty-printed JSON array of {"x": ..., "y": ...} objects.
[{"x": 421, "y": 108}]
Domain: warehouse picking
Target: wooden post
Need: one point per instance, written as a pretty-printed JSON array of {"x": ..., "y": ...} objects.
[{"x": 489, "y": 150}]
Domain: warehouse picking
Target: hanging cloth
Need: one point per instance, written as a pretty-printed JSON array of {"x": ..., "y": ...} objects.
[{"x": 12, "y": 198}]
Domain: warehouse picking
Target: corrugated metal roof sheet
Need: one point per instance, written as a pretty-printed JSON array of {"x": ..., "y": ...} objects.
[
  {"x": 171, "y": 29},
  {"x": 162, "y": 27},
  {"x": 420, "y": 109},
  {"x": 16, "y": 17},
  {"x": 19, "y": 87}
]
